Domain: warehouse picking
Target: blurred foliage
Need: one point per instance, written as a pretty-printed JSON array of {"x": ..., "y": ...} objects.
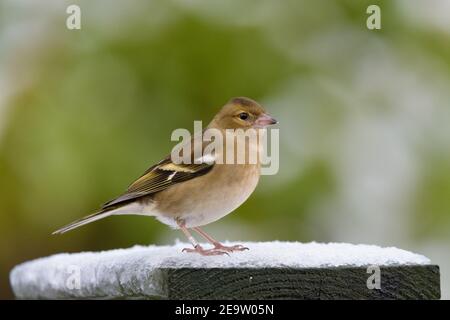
[{"x": 92, "y": 109}]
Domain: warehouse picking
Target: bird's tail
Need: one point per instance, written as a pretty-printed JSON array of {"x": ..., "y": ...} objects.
[
  {"x": 85, "y": 220},
  {"x": 106, "y": 211}
]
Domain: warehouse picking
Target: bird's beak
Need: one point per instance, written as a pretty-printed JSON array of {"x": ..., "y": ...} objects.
[{"x": 265, "y": 120}]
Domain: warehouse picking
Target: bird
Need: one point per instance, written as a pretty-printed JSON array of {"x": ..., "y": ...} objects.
[{"x": 187, "y": 196}]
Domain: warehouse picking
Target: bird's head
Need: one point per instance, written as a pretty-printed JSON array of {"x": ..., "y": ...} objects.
[{"x": 242, "y": 113}]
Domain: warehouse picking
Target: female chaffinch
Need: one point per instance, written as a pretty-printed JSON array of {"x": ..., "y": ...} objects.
[{"x": 189, "y": 195}]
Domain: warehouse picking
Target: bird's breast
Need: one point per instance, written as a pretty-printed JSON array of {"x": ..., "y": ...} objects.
[{"x": 207, "y": 198}]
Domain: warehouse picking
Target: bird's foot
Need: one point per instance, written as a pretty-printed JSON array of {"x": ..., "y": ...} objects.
[
  {"x": 237, "y": 247},
  {"x": 205, "y": 252}
]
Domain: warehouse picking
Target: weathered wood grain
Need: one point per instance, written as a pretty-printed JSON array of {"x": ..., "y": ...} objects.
[{"x": 397, "y": 282}]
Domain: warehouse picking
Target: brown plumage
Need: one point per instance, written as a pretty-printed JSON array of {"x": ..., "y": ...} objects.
[{"x": 192, "y": 195}]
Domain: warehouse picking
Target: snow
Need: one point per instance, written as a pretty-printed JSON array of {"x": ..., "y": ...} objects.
[{"x": 136, "y": 272}]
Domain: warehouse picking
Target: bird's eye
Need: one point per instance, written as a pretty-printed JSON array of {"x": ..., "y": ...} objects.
[{"x": 243, "y": 116}]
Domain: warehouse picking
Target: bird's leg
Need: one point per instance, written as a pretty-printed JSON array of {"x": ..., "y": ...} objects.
[
  {"x": 217, "y": 244},
  {"x": 197, "y": 247}
]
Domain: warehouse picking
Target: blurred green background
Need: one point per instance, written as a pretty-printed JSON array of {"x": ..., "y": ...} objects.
[{"x": 364, "y": 118}]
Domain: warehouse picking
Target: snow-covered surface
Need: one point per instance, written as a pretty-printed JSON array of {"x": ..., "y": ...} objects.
[{"x": 136, "y": 272}]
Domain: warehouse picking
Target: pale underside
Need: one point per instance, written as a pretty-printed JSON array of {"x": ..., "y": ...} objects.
[{"x": 234, "y": 184}]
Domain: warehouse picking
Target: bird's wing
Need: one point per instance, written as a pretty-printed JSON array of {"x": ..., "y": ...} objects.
[
  {"x": 157, "y": 178},
  {"x": 160, "y": 177}
]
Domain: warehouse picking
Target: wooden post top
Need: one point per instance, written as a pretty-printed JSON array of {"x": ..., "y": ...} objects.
[{"x": 269, "y": 270}]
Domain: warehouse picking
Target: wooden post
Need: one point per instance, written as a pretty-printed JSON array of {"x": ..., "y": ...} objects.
[
  {"x": 277, "y": 270},
  {"x": 397, "y": 282}
]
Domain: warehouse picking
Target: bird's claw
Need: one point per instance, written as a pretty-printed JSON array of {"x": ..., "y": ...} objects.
[
  {"x": 237, "y": 247},
  {"x": 205, "y": 252}
]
